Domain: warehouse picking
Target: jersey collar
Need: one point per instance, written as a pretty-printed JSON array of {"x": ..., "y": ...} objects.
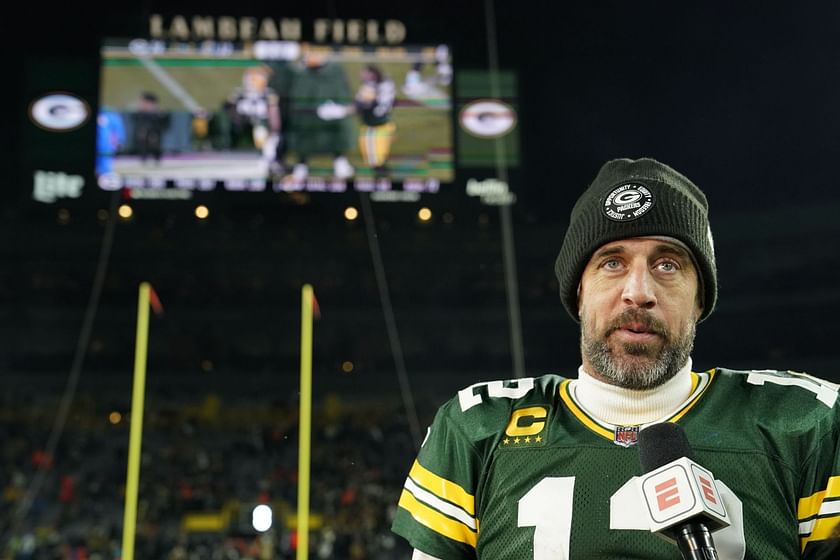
[{"x": 625, "y": 434}]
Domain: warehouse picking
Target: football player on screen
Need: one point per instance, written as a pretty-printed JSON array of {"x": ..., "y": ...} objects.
[
  {"x": 315, "y": 81},
  {"x": 258, "y": 105},
  {"x": 374, "y": 103},
  {"x": 150, "y": 124}
]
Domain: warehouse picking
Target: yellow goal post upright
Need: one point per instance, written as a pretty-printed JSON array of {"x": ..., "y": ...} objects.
[
  {"x": 309, "y": 310},
  {"x": 147, "y": 298}
]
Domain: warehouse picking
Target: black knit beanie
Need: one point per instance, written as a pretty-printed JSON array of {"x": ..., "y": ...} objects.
[{"x": 637, "y": 198}]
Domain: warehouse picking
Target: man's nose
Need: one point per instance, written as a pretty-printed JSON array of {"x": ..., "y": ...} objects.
[{"x": 639, "y": 287}]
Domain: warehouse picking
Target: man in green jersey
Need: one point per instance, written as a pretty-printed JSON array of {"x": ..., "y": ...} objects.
[{"x": 547, "y": 467}]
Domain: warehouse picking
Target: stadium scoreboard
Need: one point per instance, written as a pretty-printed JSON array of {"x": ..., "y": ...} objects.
[{"x": 268, "y": 104}]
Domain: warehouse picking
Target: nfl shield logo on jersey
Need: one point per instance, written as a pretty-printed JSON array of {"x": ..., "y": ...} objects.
[{"x": 626, "y": 435}]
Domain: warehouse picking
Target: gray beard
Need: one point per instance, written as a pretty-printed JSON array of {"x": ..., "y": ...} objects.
[{"x": 640, "y": 367}]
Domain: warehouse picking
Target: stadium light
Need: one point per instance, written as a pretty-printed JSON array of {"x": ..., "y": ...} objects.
[
  {"x": 125, "y": 211},
  {"x": 350, "y": 213},
  {"x": 202, "y": 212},
  {"x": 261, "y": 518},
  {"x": 424, "y": 214}
]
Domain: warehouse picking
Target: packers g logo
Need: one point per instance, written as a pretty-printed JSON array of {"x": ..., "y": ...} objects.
[
  {"x": 526, "y": 426},
  {"x": 59, "y": 112},
  {"x": 628, "y": 202},
  {"x": 487, "y": 118}
]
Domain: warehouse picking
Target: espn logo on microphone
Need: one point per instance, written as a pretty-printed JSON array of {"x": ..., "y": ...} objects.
[{"x": 679, "y": 491}]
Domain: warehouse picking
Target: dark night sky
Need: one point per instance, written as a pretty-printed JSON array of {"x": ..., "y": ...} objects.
[{"x": 742, "y": 100}]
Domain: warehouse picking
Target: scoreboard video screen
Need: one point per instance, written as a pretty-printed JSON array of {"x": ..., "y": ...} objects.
[{"x": 273, "y": 115}]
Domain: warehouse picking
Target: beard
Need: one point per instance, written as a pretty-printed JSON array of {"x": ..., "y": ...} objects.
[{"x": 636, "y": 365}]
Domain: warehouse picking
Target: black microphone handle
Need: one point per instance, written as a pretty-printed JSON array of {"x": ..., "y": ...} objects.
[{"x": 695, "y": 541}]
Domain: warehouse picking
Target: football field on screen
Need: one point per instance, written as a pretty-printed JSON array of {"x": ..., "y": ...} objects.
[{"x": 422, "y": 146}]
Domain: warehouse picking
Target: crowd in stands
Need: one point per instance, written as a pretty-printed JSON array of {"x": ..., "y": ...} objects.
[{"x": 213, "y": 457}]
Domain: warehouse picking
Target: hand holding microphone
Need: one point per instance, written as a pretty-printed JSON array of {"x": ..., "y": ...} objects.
[{"x": 680, "y": 495}]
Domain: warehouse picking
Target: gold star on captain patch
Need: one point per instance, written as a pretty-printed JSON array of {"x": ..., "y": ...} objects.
[
  {"x": 516, "y": 440},
  {"x": 528, "y": 439},
  {"x": 538, "y": 439},
  {"x": 506, "y": 441}
]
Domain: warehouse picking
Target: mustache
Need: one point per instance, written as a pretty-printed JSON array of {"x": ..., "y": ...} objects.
[{"x": 638, "y": 317}]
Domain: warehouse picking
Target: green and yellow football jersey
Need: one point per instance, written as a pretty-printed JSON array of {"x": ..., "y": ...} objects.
[{"x": 518, "y": 470}]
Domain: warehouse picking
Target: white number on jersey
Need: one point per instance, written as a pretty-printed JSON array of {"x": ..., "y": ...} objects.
[
  {"x": 511, "y": 389},
  {"x": 548, "y": 507},
  {"x": 826, "y": 392}
]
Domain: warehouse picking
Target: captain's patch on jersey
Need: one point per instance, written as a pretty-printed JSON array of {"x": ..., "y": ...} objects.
[
  {"x": 627, "y": 202},
  {"x": 526, "y": 427}
]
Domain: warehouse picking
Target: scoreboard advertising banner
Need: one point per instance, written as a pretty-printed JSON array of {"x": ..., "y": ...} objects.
[{"x": 208, "y": 104}]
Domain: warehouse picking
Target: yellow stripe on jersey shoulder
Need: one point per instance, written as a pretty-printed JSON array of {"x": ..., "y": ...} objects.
[
  {"x": 695, "y": 381},
  {"x": 580, "y": 414},
  {"x": 810, "y": 506},
  {"x": 436, "y": 521},
  {"x": 442, "y": 488}
]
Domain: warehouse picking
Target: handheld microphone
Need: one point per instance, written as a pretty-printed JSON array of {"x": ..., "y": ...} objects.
[{"x": 681, "y": 496}]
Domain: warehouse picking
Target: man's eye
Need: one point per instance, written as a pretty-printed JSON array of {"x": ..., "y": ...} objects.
[
  {"x": 667, "y": 266},
  {"x": 612, "y": 264}
]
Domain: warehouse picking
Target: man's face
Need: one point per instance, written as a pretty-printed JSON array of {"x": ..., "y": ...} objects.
[
  {"x": 254, "y": 80},
  {"x": 638, "y": 308}
]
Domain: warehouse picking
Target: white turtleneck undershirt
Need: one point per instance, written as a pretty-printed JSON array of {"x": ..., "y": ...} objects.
[{"x": 628, "y": 407}]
